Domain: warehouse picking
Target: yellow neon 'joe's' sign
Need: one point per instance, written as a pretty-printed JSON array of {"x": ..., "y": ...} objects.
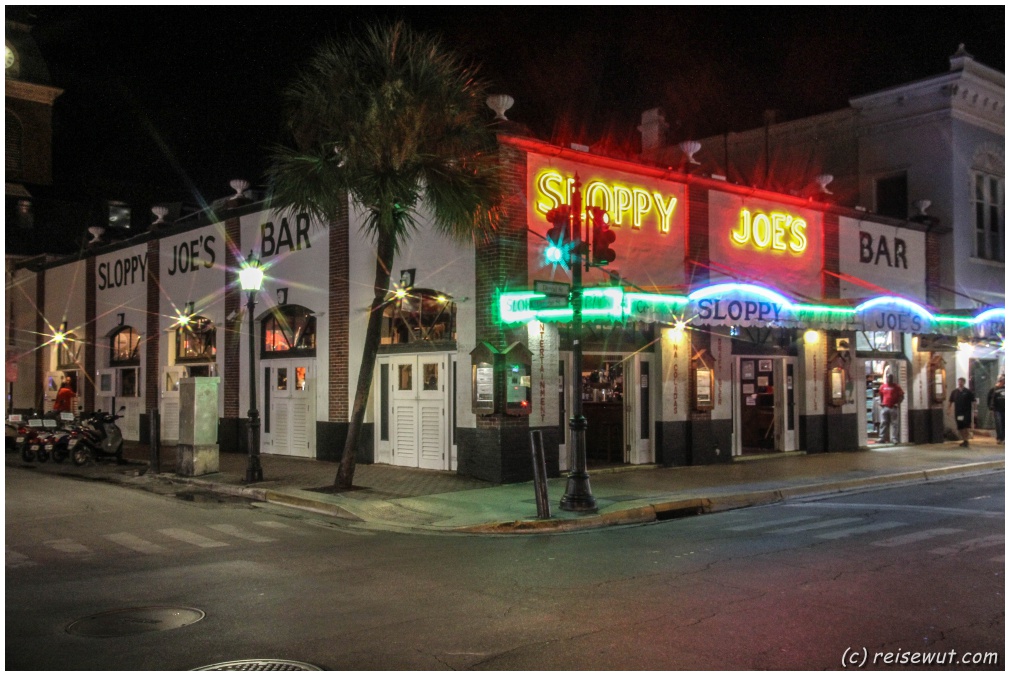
[
  {"x": 775, "y": 231},
  {"x": 626, "y": 205}
]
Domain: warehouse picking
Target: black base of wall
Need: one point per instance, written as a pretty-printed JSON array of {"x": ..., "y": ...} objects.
[
  {"x": 331, "y": 437},
  {"x": 813, "y": 433},
  {"x": 841, "y": 432},
  {"x": 925, "y": 426},
  {"x": 497, "y": 454},
  {"x": 694, "y": 442}
]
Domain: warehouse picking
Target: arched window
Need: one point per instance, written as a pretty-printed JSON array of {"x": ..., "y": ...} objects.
[
  {"x": 196, "y": 341},
  {"x": 290, "y": 331},
  {"x": 419, "y": 315},
  {"x": 68, "y": 353},
  {"x": 125, "y": 347}
]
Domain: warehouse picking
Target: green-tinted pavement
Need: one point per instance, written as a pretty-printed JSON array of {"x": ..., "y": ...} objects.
[{"x": 410, "y": 499}]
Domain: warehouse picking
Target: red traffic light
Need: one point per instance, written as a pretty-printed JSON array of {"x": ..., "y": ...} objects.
[{"x": 603, "y": 237}]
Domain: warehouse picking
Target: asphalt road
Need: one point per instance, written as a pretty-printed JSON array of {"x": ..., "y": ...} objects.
[{"x": 883, "y": 577}]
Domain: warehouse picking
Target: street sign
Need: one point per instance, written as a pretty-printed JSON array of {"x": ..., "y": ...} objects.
[
  {"x": 548, "y": 303},
  {"x": 552, "y": 288}
]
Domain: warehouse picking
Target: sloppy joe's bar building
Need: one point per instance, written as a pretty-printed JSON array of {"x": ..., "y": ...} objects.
[{"x": 734, "y": 323}]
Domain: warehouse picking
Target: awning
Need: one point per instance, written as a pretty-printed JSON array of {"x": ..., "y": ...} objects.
[{"x": 753, "y": 305}]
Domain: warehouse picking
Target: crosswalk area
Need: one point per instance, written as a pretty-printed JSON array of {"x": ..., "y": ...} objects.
[
  {"x": 942, "y": 541},
  {"x": 163, "y": 541}
]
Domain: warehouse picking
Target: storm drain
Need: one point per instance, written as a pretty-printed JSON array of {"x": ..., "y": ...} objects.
[
  {"x": 130, "y": 621},
  {"x": 260, "y": 665}
]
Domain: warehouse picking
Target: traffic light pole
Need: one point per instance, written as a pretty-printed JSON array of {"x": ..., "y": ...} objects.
[{"x": 578, "y": 496}]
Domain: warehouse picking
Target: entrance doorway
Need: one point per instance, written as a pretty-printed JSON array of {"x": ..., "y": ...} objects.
[
  {"x": 617, "y": 403},
  {"x": 876, "y": 372},
  {"x": 768, "y": 418},
  {"x": 411, "y": 410},
  {"x": 289, "y": 407},
  {"x": 982, "y": 374}
]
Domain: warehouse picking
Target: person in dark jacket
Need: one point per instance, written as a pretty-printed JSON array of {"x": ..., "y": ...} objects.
[
  {"x": 997, "y": 404},
  {"x": 962, "y": 400}
]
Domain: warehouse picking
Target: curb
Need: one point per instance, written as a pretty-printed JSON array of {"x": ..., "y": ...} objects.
[{"x": 676, "y": 509}]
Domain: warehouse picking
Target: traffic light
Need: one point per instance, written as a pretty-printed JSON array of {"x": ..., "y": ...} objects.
[
  {"x": 558, "y": 218},
  {"x": 558, "y": 237},
  {"x": 603, "y": 237}
]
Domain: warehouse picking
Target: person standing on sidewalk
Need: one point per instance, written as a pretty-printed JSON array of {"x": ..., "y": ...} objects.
[
  {"x": 962, "y": 400},
  {"x": 64, "y": 398},
  {"x": 891, "y": 396},
  {"x": 997, "y": 404}
]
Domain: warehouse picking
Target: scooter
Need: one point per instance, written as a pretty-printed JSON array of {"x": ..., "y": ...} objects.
[
  {"x": 97, "y": 437},
  {"x": 34, "y": 441}
]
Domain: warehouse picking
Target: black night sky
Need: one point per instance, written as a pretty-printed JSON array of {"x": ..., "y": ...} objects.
[{"x": 174, "y": 102}]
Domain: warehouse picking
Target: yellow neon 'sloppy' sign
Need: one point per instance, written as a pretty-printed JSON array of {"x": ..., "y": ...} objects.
[
  {"x": 774, "y": 231},
  {"x": 627, "y": 205}
]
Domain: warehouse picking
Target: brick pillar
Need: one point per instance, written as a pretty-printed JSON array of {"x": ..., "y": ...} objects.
[
  {"x": 339, "y": 316},
  {"x": 830, "y": 283},
  {"x": 233, "y": 327},
  {"x": 697, "y": 237},
  {"x": 91, "y": 345},
  {"x": 41, "y": 333},
  {"x": 153, "y": 328},
  {"x": 498, "y": 450},
  {"x": 935, "y": 296}
]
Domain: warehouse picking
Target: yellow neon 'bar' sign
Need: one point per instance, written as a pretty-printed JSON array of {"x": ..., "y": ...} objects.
[
  {"x": 626, "y": 205},
  {"x": 775, "y": 231}
]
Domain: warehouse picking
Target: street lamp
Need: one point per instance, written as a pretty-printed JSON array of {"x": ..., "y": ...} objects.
[{"x": 250, "y": 278}]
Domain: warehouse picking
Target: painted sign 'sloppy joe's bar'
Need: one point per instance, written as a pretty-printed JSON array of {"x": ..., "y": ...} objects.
[{"x": 734, "y": 323}]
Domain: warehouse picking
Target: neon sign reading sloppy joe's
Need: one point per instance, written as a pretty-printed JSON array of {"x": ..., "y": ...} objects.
[{"x": 627, "y": 205}]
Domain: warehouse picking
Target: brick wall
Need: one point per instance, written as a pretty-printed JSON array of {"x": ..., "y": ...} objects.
[{"x": 339, "y": 316}]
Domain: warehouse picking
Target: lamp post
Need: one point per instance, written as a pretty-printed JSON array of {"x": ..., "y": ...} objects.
[
  {"x": 578, "y": 495},
  {"x": 251, "y": 279}
]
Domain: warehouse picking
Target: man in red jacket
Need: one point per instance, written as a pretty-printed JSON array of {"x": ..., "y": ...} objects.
[{"x": 891, "y": 396}]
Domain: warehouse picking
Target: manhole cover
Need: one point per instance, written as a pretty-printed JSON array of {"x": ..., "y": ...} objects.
[
  {"x": 130, "y": 621},
  {"x": 260, "y": 665}
]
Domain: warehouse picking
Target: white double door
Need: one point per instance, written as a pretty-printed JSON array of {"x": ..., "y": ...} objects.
[
  {"x": 414, "y": 428},
  {"x": 288, "y": 418}
]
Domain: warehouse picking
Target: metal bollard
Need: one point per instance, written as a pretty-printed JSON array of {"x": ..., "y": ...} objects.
[
  {"x": 155, "y": 418},
  {"x": 540, "y": 474}
]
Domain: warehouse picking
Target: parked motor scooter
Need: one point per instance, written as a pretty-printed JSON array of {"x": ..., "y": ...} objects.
[
  {"x": 61, "y": 436},
  {"x": 97, "y": 437},
  {"x": 33, "y": 442}
]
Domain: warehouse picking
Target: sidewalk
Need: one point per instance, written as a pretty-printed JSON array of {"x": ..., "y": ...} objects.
[{"x": 395, "y": 498}]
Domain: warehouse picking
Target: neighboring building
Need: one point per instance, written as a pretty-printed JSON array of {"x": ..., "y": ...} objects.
[{"x": 931, "y": 151}]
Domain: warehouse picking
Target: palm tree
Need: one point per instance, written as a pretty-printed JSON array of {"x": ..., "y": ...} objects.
[{"x": 395, "y": 121}]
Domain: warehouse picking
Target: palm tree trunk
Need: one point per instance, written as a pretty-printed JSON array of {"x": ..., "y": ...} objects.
[{"x": 383, "y": 266}]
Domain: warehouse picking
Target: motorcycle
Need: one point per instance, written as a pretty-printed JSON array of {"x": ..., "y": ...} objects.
[{"x": 98, "y": 436}]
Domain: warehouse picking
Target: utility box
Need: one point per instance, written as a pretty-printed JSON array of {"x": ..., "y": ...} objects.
[
  {"x": 197, "y": 452},
  {"x": 500, "y": 379}
]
